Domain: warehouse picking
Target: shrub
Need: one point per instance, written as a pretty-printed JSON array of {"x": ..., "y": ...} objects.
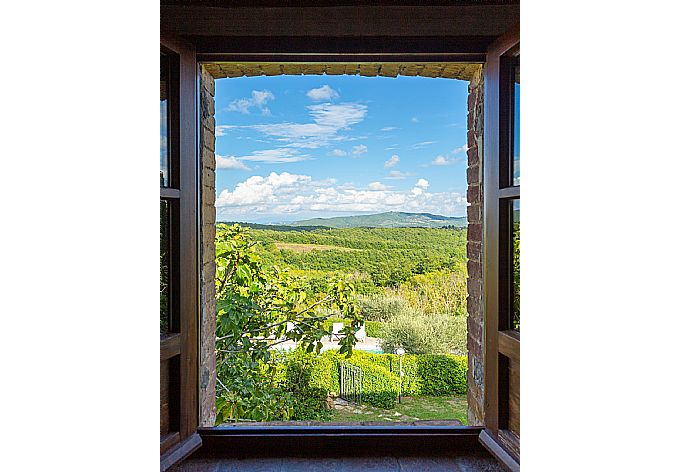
[
  {"x": 381, "y": 307},
  {"x": 427, "y": 374},
  {"x": 440, "y": 291},
  {"x": 309, "y": 379},
  {"x": 379, "y": 385},
  {"x": 442, "y": 374},
  {"x": 372, "y": 328},
  {"x": 425, "y": 334}
]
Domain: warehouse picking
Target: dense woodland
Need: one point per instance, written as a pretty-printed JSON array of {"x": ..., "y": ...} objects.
[{"x": 372, "y": 257}]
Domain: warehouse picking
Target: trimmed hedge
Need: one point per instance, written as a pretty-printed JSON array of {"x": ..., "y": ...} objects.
[
  {"x": 309, "y": 375},
  {"x": 372, "y": 328},
  {"x": 442, "y": 374}
]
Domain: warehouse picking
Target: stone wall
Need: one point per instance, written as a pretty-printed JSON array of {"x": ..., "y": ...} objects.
[
  {"x": 446, "y": 70},
  {"x": 475, "y": 300},
  {"x": 207, "y": 142}
]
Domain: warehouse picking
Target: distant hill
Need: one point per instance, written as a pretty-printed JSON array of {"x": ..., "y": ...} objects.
[
  {"x": 275, "y": 227},
  {"x": 391, "y": 219}
]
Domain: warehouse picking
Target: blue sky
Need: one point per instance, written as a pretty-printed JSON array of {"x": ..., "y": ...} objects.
[{"x": 296, "y": 147}]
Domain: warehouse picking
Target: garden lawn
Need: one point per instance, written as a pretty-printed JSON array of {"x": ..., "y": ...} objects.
[{"x": 448, "y": 407}]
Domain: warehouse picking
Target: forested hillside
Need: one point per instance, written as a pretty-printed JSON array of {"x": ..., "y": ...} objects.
[
  {"x": 391, "y": 219},
  {"x": 375, "y": 257}
]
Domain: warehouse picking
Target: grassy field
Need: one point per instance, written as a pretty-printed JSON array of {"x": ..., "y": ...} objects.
[{"x": 451, "y": 407}]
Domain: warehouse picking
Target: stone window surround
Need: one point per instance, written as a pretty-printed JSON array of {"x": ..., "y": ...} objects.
[{"x": 475, "y": 119}]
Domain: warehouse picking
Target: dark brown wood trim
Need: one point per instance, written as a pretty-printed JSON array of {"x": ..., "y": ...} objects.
[
  {"x": 182, "y": 346},
  {"x": 169, "y": 193},
  {"x": 170, "y": 346},
  {"x": 429, "y": 46},
  {"x": 338, "y": 440},
  {"x": 509, "y": 192},
  {"x": 511, "y": 442},
  {"x": 501, "y": 347},
  {"x": 168, "y": 441},
  {"x": 498, "y": 451},
  {"x": 324, "y": 57},
  {"x": 184, "y": 450},
  {"x": 509, "y": 344},
  {"x": 362, "y": 21},
  {"x": 491, "y": 240}
]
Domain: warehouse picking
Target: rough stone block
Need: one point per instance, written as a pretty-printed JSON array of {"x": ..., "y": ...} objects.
[
  {"x": 209, "y": 140},
  {"x": 390, "y": 70},
  {"x": 473, "y": 194},
  {"x": 474, "y": 213},
  {"x": 369, "y": 70},
  {"x": 472, "y": 153},
  {"x": 209, "y": 159},
  {"x": 474, "y": 232},
  {"x": 271, "y": 69},
  {"x": 335, "y": 69}
]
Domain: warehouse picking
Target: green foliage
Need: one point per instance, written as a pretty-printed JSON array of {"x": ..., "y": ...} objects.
[
  {"x": 372, "y": 328},
  {"x": 425, "y": 334},
  {"x": 382, "y": 257},
  {"x": 410, "y": 283},
  {"x": 379, "y": 385},
  {"x": 311, "y": 377},
  {"x": 442, "y": 374},
  {"x": 381, "y": 307},
  {"x": 255, "y": 303},
  {"x": 436, "y": 292}
]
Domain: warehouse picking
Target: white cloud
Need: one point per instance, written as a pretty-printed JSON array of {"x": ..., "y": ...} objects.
[
  {"x": 377, "y": 186},
  {"x": 258, "y": 99},
  {"x": 337, "y": 116},
  {"x": 389, "y": 128},
  {"x": 397, "y": 175},
  {"x": 275, "y": 156},
  {"x": 441, "y": 161},
  {"x": 392, "y": 161},
  {"x": 337, "y": 153},
  {"x": 359, "y": 149},
  {"x": 261, "y": 191},
  {"x": 220, "y": 129},
  {"x": 459, "y": 150},
  {"x": 229, "y": 162},
  {"x": 422, "y": 144},
  {"x": 280, "y": 194},
  {"x": 414, "y": 119},
  {"x": 329, "y": 121},
  {"x": 322, "y": 93}
]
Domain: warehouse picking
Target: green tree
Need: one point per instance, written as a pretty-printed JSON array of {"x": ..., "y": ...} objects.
[{"x": 255, "y": 302}]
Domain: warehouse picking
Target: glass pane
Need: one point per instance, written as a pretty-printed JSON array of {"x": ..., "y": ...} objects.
[
  {"x": 165, "y": 267},
  {"x": 165, "y": 163},
  {"x": 515, "y": 217},
  {"x": 516, "y": 126}
]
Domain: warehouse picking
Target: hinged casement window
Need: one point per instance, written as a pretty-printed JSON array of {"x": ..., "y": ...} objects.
[
  {"x": 502, "y": 250},
  {"x": 178, "y": 253}
]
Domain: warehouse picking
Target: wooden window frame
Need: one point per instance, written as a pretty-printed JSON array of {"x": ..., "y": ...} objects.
[
  {"x": 180, "y": 346},
  {"x": 501, "y": 343},
  {"x": 322, "y": 440}
]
